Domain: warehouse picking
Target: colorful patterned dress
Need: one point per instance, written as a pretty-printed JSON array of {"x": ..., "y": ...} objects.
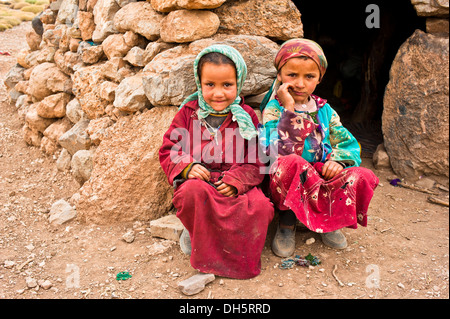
[{"x": 300, "y": 143}]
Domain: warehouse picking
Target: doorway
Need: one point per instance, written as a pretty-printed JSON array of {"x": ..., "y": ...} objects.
[{"x": 359, "y": 57}]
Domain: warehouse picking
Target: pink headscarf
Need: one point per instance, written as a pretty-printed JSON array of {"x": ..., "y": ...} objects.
[{"x": 301, "y": 47}]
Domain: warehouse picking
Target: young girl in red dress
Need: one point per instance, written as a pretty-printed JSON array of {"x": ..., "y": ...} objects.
[{"x": 210, "y": 155}]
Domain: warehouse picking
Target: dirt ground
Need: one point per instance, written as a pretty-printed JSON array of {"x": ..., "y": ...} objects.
[{"x": 402, "y": 254}]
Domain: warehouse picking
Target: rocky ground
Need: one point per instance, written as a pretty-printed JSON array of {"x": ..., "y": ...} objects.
[{"x": 402, "y": 254}]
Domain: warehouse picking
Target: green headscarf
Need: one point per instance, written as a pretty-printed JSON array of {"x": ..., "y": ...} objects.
[{"x": 246, "y": 126}]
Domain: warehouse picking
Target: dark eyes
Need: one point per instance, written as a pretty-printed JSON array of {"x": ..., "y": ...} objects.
[
  {"x": 308, "y": 76},
  {"x": 225, "y": 84}
]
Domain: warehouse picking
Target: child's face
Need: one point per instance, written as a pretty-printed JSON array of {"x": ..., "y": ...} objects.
[
  {"x": 219, "y": 85},
  {"x": 303, "y": 75}
]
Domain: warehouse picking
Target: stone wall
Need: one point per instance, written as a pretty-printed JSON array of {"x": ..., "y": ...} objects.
[{"x": 102, "y": 79}]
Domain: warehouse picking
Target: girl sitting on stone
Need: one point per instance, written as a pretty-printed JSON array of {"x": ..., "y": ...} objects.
[
  {"x": 316, "y": 178},
  {"x": 210, "y": 156}
]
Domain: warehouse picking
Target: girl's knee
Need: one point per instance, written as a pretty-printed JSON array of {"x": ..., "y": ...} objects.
[
  {"x": 194, "y": 185},
  {"x": 290, "y": 161}
]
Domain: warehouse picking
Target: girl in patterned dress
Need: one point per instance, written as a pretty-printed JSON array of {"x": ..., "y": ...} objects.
[{"x": 315, "y": 177}]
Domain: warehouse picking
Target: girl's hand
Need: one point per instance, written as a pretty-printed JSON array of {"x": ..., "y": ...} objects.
[
  {"x": 225, "y": 189},
  {"x": 200, "y": 172},
  {"x": 330, "y": 169},
  {"x": 285, "y": 97}
]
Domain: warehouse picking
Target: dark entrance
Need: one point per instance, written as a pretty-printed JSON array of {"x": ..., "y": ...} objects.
[{"x": 359, "y": 57}]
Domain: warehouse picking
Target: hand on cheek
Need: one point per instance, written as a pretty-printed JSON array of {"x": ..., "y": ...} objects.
[
  {"x": 285, "y": 97},
  {"x": 330, "y": 169}
]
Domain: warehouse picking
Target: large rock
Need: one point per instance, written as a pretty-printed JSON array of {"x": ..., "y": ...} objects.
[
  {"x": 275, "y": 19},
  {"x": 171, "y": 5},
  {"x": 169, "y": 78},
  {"x": 104, "y": 12},
  {"x": 86, "y": 24},
  {"x": 67, "y": 12},
  {"x": 35, "y": 122},
  {"x": 127, "y": 182},
  {"x": 61, "y": 212},
  {"x": 184, "y": 26},
  {"x": 76, "y": 138},
  {"x": 46, "y": 79},
  {"x": 86, "y": 87},
  {"x": 431, "y": 8},
  {"x": 416, "y": 115},
  {"x": 115, "y": 46},
  {"x": 130, "y": 96},
  {"x": 54, "y": 105},
  {"x": 140, "y": 18},
  {"x": 81, "y": 165},
  {"x": 14, "y": 76}
]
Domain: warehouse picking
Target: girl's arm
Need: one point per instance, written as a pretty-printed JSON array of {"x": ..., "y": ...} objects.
[
  {"x": 345, "y": 147},
  {"x": 174, "y": 154},
  {"x": 283, "y": 132},
  {"x": 250, "y": 173}
]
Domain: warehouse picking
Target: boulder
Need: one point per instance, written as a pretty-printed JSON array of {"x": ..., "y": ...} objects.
[
  {"x": 33, "y": 40},
  {"x": 140, "y": 18},
  {"x": 115, "y": 46},
  {"x": 46, "y": 54},
  {"x": 76, "y": 138},
  {"x": 168, "y": 227},
  {"x": 54, "y": 105},
  {"x": 116, "y": 69},
  {"x": 81, "y": 165},
  {"x": 86, "y": 24},
  {"x": 135, "y": 56},
  {"x": 46, "y": 79},
  {"x": 431, "y": 8},
  {"x": 74, "y": 112},
  {"x": 30, "y": 136},
  {"x": 92, "y": 54},
  {"x": 104, "y": 12},
  {"x": 437, "y": 25},
  {"x": 63, "y": 161},
  {"x": 36, "y": 122},
  {"x": 169, "y": 78},
  {"x": 171, "y": 5},
  {"x": 86, "y": 87},
  {"x": 127, "y": 182},
  {"x": 153, "y": 48},
  {"x": 380, "y": 158},
  {"x": 58, "y": 128},
  {"x": 67, "y": 12},
  {"x": 108, "y": 90},
  {"x": 415, "y": 118},
  {"x": 184, "y": 26},
  {"x": 275, "y": 19},
  {"x": 130, "y": 96},
  {"x": 61, "y": 212},
  {"x": 14, "y": 76}
]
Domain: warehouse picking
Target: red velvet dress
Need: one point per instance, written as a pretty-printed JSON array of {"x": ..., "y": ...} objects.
[{"x": 227, "y": 233}]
